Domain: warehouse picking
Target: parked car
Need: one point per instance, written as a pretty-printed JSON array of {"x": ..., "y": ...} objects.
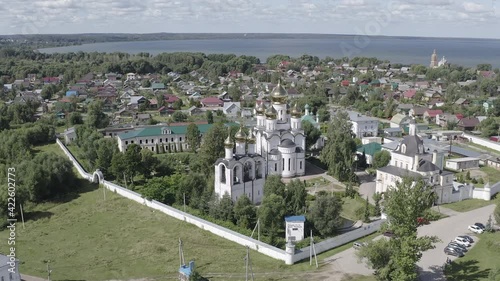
[
  {"x": 480, "y": 225},
  {"x": 458, "y": 246},
  {"x": 357, "y": 245},
  {"x": 468, "y": 238},
  {"x": 461, "y": 241},
  {"x": 476, "y": 229},
  {"x": 389, "y": 234},
  {"x": 453, "y": 252}
]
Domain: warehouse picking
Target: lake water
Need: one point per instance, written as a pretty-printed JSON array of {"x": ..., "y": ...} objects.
[{"x": 406, "y": 50}]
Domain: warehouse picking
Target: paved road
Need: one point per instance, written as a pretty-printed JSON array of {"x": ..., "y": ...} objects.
[
  {"x": 447, "y": 229},
  {"x": 432, "y": 260}
]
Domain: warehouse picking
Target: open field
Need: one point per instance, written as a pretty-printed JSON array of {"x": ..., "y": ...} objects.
[
  {"x": 468, "y": 205},
  {"x": 53, "y": 147},
  {"x": 88, "y": 238},
  {"x": 478, "y": 262}
]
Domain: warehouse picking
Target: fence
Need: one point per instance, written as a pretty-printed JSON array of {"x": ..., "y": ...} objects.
[
  {"x": 483, "y": 142},
  {"x": 289, "y": 257}
]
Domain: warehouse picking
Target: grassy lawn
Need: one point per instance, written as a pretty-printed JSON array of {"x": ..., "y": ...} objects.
[
  {"x": 320, "y": 181},
  {"x": 53, "y": 148},
  {"x": 350, "y": 206},
  {"x": 478, "y": 262},
  {"x": 468, "y": 205},
  {"x": 88, "y": 238},
  {"x": 493, "y": 175}
]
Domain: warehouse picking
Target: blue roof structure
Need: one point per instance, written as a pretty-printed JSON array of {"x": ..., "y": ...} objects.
[
  {"x": 187, "y": 270},
  {"x": 295, "y": 218},
  {"x": 71, "y": 93}
]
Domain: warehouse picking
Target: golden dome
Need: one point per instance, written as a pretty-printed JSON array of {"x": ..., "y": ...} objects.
[
  {"x": 228, "y": 143},
  {"x": 271, "y": 112},
  {"x": 260, "y": 109},
  {"x": 296, "y": 112},
  {"x": 240, "y": 135},
  {"x": 279, "y": 94},
  {"x": 251, "y": 137}
]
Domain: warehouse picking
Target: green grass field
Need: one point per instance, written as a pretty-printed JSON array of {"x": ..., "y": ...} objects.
[
  {"x": 89, "y": 238},
  {"x": 468, "y": 205},
  {"x": 478, "y": 262},
  {"x": 53, "y": 148},
  {"x": 350, "y": 206}
]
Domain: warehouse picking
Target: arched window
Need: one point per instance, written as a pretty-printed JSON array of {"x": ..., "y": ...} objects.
[
  {"x": 247, "y": 172},
  {"x": 222, "y": 170},
  {"x": 289, "y": 163},
  {"x": 258, "y": 170},
  {"x": 403, "y": 148},
  {"x": 236, "y": 174}
]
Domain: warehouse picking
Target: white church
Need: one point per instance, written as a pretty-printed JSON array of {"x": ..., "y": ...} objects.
[{"x": 275, "y": 146}]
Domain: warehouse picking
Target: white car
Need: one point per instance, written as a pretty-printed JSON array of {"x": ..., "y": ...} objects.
[
  {"x": 462, "y": 241},
  {"x": 475, "y": 229}
]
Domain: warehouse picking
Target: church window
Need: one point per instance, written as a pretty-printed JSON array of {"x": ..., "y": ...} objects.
[
  {"x": 146, "y": 141},
  {"x": 180, "y": 138},
  {"x": 172, "y": 139},
  {"x": 161, "y": 140},
  {"x": 300, "y": 164},
  {"x": 222, "y": 170},
  {"x": 247, "y": 172},
  {"x": 289, "y": 163},
  {"x": 275, "y": 167},
  {"x": 236, "y": 173},
  {"x": 258, "y": 170},
  {"x": 283, "y": 165},
  {"x": 152, "y": 140},
  {"x": 126, "y": 142},
  {"x": 140, "y": 141},
  {"x": 153, "y": 148},
  {"x": 403, "y": 148}
]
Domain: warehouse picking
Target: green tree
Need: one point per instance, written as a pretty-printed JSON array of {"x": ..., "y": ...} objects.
[
  {"x": 223, "y": 208},
  {"x": 119, "y": 167},
  {"x": 193, "y": 137},
  {"x": 403, "y": 204},
  {"x": 366, "y": 216},
  {"x": 339, "y": 149},
  {"x": 312, "y": 133},
  {"x": 210, "y": 116},
  {"x": 295, "y": 197},
  {"x": 75, "y": 118},
  {"x": 96, "y": 118},
  {"x": 381, "y": 159},
  {"x": 212, "y": 147},
  {"x": 489, "y": 127},
  {"x": 484, "y": 67},
  {"x": 271, "y": 215},
  {"x": 106, "y": 149},
  {"x": 377, "y": 196},
  {"x": 274, "y": 185},
  {"x": 378, "y": 256},
  {"x": 324, "y": 213},
  {"x": 133, "y": 158},
  {"x": 179, "y": 116},
  {"x": 149, "y": 163},
  {"x": 159, "y": 189},
  {"x": 245, "y": 212}
]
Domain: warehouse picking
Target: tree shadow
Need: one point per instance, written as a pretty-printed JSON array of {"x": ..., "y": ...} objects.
[
  {"x": 465, "y": 270},
  {"x": 37, "y": 215},
  {"x": 82, "y": 186},
  {"x": 434, "y": 273}
]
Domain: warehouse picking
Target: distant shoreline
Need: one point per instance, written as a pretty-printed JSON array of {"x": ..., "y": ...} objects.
[
  {"x": 404, "y": 50},
  {"x": 117, "y": 37}
]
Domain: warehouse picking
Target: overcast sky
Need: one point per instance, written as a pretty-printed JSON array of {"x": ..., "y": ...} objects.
[{"x": 435, "y": 18}]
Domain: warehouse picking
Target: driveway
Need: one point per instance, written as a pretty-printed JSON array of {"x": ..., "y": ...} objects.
[{"x": 432, "y": 260}]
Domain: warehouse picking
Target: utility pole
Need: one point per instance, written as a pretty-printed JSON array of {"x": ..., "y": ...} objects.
[
  {"x": 181, "y": 254},
  {"x": 257, "y": 226},
  {"x": 312, "y": 251},
  {"x": 248, "y": 265},
  {"x": 22, "y": 214},
  {"x": 48, "y": 270}
]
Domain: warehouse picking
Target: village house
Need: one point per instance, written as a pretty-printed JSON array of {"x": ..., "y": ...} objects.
[
  {"x": 468, "y": 124},
  {"x": 212, "y": 102}
]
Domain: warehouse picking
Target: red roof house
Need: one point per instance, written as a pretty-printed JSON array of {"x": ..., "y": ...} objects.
[
  {"x": 409, "y": 94},
  {"x": 212, "y": 102}
]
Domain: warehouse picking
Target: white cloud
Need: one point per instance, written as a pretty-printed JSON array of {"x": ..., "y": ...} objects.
[{"x": 472, "y": 7}]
